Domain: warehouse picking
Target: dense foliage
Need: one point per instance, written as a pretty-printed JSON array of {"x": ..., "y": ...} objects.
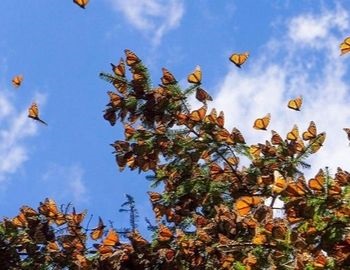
[{"x": 213, "y": 212}]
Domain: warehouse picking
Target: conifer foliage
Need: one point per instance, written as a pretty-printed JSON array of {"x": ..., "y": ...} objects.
[{"x": 213, "y": 212}]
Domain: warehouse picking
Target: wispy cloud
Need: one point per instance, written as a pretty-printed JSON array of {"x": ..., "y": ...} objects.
[
  {"x": 66, "y": 183},
  {"x": 15, "y": 129},
  {"x": 152, "y": 17},
  {"x": 304, "y": 62}
]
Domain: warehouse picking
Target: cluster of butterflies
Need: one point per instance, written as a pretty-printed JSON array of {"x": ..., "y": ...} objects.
[
  {"x": 33, "y": 110},
  {"x": 294, "y": 104}
]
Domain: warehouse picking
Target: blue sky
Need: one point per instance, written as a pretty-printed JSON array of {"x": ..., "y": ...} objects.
[{"x": 60, "y": 49}]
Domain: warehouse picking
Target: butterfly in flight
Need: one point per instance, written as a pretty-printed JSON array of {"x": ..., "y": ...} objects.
[
  {"x": 17, "y": 81},
  {"x": 239, "y": 58},
  {"x": 262, "y": 123},
  {"x": 81, "y": 3},
  {"x": 295, "y": 104},
  {"x": 33, "y": 112},
  {"x": 196, "y": 76}
]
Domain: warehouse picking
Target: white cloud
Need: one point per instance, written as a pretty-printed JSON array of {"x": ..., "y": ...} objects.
[
  {"x": 15, "y": 129},
  {"x": 286, "y": 70},
  {"x": 152, "y": 17},
  {"x": 311, "y": 28},
  {"x": 66, "y": 183}
]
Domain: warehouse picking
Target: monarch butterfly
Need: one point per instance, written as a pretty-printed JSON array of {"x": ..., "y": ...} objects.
[
  {"x": 262, "y": 123},
  {"x": 198, "y": 115},
  {"x": 196, "y": 76},
  {"x": 109, "y": 242},
  {"x": 223, "y": 136},
  {"x": 345, "y": 46},
  {"x": 81, "y": 3},
  {"x": 119, "y": 69},
  {"x": 114, "y": 99},
  {"x": 98, "y": 231},
  {"x": 75, "y": 218},
  {"x": 297, "y": 189},
  {"x": 293, "y": 135},
  {"x": 220, "y": 120},
  {"x": 17, "y": 80},
  {"x": 20, "y": 221},
  {"x": 317, "y": 183},
  {"x": 311, "y": 132},
  {"x": 33, "y": 112},
  {"x": 237, "y": 136},
  {"x": 131, "y": 58},
  {"x": 239, "y": 58},
  {"x": 137, "y": 240},
  {"x": 276, "y": 139},
  {"x": 317, "y": 142},
  {"x": 254, "y": 151},
  {"x": 167, "y": 78},
  {"x": 50, "y": 210},
  {"x": 244, "y": 204},
  {"x": 110, "y": 116},
  {"x": 52, "y": 247},
  {"x": 202, "y": 95},
  {"x": 296, "y": 103},
  {"x": 154, "y": 196},
  {"x": 211, "y": 117},
  {"x": 279, "y": 183},
  {"x": 129, "y": 131},
  {"x": 164, "y": 233},
  {"x": 347, "y": 130}
]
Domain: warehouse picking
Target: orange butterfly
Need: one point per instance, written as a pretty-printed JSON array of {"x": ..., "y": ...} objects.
[
  {"x": 262, "y": 123},
  {"x": 81, "y": 3},
  {"x": 311, "y": 132},
  {"x": 345, "y": 46},
  {"x": 239, "y": 58},
  {"x": 50, "y": 210},
  {"x": 276, "y": 139},
  {"x": 167, "y": 78},
  {"x": 114, "y": 99},
  {"x": 297, "y": 189},
  {"x": 279, "y": 183},
  {"x": 98, "y": 231},
  {"x": 119, "y": 69},
  {"x": 131, "y": 58},
  {"x": 110, "y": 116},
  {"x": 196, "y": 76},
  {"x": 220, "y": 120},
  {"x": 202, "y": 95},
  {"x": 317, "y": 183},
  {"x": 17, "y": 80},
  {"x": 164, "y": 233},
  {"x": 296, "y": 103},
  {"x": 244, "y": 204},
  {"x": 109, "y": 242},
  {"x": 317, "y": 142},
  {"x": 293, "y": 135},
  {"x": 255, "y": 151},
  {"x": 198, "y": 115},
  {"x": 33, "y": 112},
  {"x": 237, "y": 136}
]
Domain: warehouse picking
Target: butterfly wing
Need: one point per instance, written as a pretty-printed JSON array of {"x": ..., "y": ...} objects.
[
  {"x": 81, "y": 3},
  {"x": 345, "y": 46},
  {"x": 17, "y": 81}
]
